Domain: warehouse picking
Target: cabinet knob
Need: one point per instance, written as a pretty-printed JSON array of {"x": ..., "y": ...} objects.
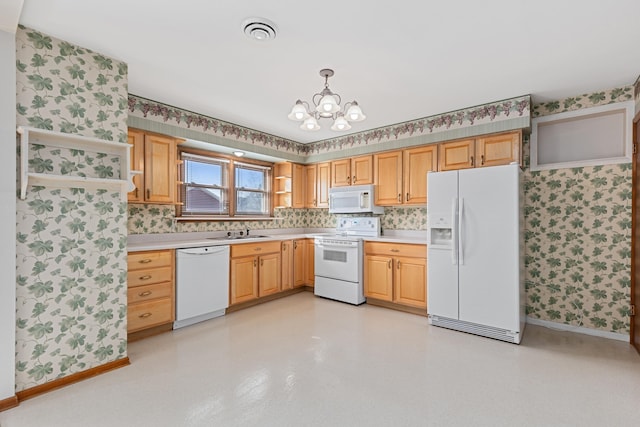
[
  {"x": 407, "y": 197},
  {"x": 144, "y": 294},
  {"x": 255, "y": 263},
  {"x": 295, "y": 245},
  {"x": 398, "y": 265},
  {"x": 348, "y": 180},
  {"x": 389, "y": 264},
  {"x": 482, "y": 159},
  {"x": 471, "y": 160},
  {"x": 145, "y": 261},
  {"x": 261, "y": 262},
  {"x": 144, "y": 315},
  {"x": 148, "y": 193},
  {"x": 354, "y": 179},
  {"x": 145, "y": 277},
  {"x": 399, "y": 198}
]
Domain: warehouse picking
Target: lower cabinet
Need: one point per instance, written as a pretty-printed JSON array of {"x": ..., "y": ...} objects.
[
  {"x": 255, "y": 271},
  {"x": 287, "y": 264},
  {"x": 303, "y": 271},
  {"x": 396, "y": 273},
  {"x": 150, "y": 289}
]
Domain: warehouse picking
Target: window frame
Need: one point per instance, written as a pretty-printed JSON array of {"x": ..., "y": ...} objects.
[{"x": 231, "y": 187}]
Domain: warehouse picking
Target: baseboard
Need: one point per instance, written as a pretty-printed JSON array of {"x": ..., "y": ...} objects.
[
  {"x": 8, "y": 403},
  {"x": 71, "y": 379},
  {"x": 247, "y": 304},
  {"x": 578, "y": 329},
  {"x": 395, "y": 306}
]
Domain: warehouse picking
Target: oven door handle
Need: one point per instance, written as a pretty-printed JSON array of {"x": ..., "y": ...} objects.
[{"x": 353, "y": 245}]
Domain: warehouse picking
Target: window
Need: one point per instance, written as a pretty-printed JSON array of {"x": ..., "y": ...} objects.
[
  {"x": 216, "y": 185},
  {"x": 252, "y": 189}
]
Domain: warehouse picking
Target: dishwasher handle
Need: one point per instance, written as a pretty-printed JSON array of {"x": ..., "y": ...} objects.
[{"x": 207, "y": 250}]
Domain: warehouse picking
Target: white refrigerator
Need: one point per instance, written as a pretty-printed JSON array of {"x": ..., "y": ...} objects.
[{"x": 475, "y": 265}]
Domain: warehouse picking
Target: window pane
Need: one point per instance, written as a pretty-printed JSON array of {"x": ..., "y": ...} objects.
[
  {"x": 250, "y": 178},
  {"x": 250, "y": 202},
  {"x": 204, "y": 173},
  {"x": 205, "y": 201}
]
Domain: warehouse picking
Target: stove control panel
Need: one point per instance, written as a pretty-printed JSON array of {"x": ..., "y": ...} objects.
[{"x": 364, "y": 226}]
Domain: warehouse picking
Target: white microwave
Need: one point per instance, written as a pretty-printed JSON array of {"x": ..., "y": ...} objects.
[{"x": 353, "y": 199}]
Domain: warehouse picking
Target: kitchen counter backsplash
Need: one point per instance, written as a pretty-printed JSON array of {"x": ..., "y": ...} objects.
[{"x": 153, "y": 219}]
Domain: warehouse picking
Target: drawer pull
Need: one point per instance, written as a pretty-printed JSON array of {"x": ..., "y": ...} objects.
[
  {"x": 257, "y": 249},
  {"x": 389, "y": 264},
  {"x": 395, "y": 250},
  {"x": 144, "y": 294},
  {"x": 145, "y": 261},
  {"x": 144, "y": 315},
  {"x": 145, "y": 277}
]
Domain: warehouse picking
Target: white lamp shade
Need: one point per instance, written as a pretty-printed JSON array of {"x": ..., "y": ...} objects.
[
  {"x": 310, "y": 123},
  {"x": 354, "y": 113},
  {"x": 328, "y": 105},
  {"x": 298, "y": 112},
  {"x": 341, "y": 124}
]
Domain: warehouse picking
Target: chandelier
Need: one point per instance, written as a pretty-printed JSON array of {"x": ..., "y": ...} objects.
[{"x": 326, "y": 105}]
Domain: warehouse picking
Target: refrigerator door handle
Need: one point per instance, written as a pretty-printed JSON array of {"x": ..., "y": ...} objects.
[
  {"x": 454, "y": 231},
  {"x": 460, "y": 232}
]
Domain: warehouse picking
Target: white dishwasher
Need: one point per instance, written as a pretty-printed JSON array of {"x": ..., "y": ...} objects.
[{"x": 202, "y": 285}]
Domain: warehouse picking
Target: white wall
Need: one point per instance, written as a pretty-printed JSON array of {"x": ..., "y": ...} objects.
[{"x": 7, "y": 213}]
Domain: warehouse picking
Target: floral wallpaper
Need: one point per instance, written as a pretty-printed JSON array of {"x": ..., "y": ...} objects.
[
  {"x": 578, "y": 235},
  {"x": 152, "y": 219},
  {"x": 70, "y": 242}
]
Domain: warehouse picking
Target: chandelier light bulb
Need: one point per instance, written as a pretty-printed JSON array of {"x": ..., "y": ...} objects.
[
  {"x": 310, "y": 124},
  {"x": 340, "y": 124}
]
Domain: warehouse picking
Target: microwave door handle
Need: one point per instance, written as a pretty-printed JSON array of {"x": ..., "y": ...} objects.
[{"x": 362, "y": 200}]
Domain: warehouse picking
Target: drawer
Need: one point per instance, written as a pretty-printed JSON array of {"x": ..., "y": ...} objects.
[
  {"x": 395, "y": 249},
  {"x": 254, "y": 249},
  {"x": 149, "y": 276},
  {"x": 149, "y": 292},
  {"x": 145, "y": 260},
  {"x": 147, "y": 314}
]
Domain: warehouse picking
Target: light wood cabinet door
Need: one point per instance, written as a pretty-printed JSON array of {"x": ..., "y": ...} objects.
[
  {"x": 310, "y": 200},
  {"x": 410, "y": 285},
  {"x": 417, "y": 162},
  {"x": 341, "y": 173},
  {"x": 362, "y": 170},
  {"x": 136, "y": 162},
  {"x": 287, "y": 265},
  {"x": 269, "y": 274},
  {"x": 298, "y": 186},
  {"x": 323, "y": 178},
  {"x": 457, "y": 155},
  {"x": 387, "y": 173},
  {"x": 299, "y": 262},
  {"x": 378, "y": 277},
  {"x": 244, "y": 279},
  {"x": 498, "y": 149},
  {"x": 310, "y": 262},
  {"x": 159, "y": 169}
]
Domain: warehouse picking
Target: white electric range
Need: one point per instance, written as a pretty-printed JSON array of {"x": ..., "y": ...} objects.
[{"x": 339, "y": 259}]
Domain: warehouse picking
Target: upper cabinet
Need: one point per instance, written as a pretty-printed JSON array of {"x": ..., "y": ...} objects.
[
  {"x": 352, "y": 171},
  {"x": 492, "y": 150},
  {"x": 401, "y": 176},
  {"x": 318, "y": 182},
  {"x": 297, "y": 185},
  {"x": 154, "y": 155}
]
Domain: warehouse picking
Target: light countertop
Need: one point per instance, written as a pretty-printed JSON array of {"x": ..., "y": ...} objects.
[{"x": 149, "y": 242}]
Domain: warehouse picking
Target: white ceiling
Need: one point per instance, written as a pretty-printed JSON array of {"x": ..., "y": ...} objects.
[{"x": 400, "y": 60}]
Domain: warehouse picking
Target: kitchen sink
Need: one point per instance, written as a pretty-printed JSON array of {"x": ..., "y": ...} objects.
[{"x": 252, "y": 236}]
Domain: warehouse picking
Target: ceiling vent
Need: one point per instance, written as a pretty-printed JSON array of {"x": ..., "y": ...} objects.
[{"x": 260, "y": 29}]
